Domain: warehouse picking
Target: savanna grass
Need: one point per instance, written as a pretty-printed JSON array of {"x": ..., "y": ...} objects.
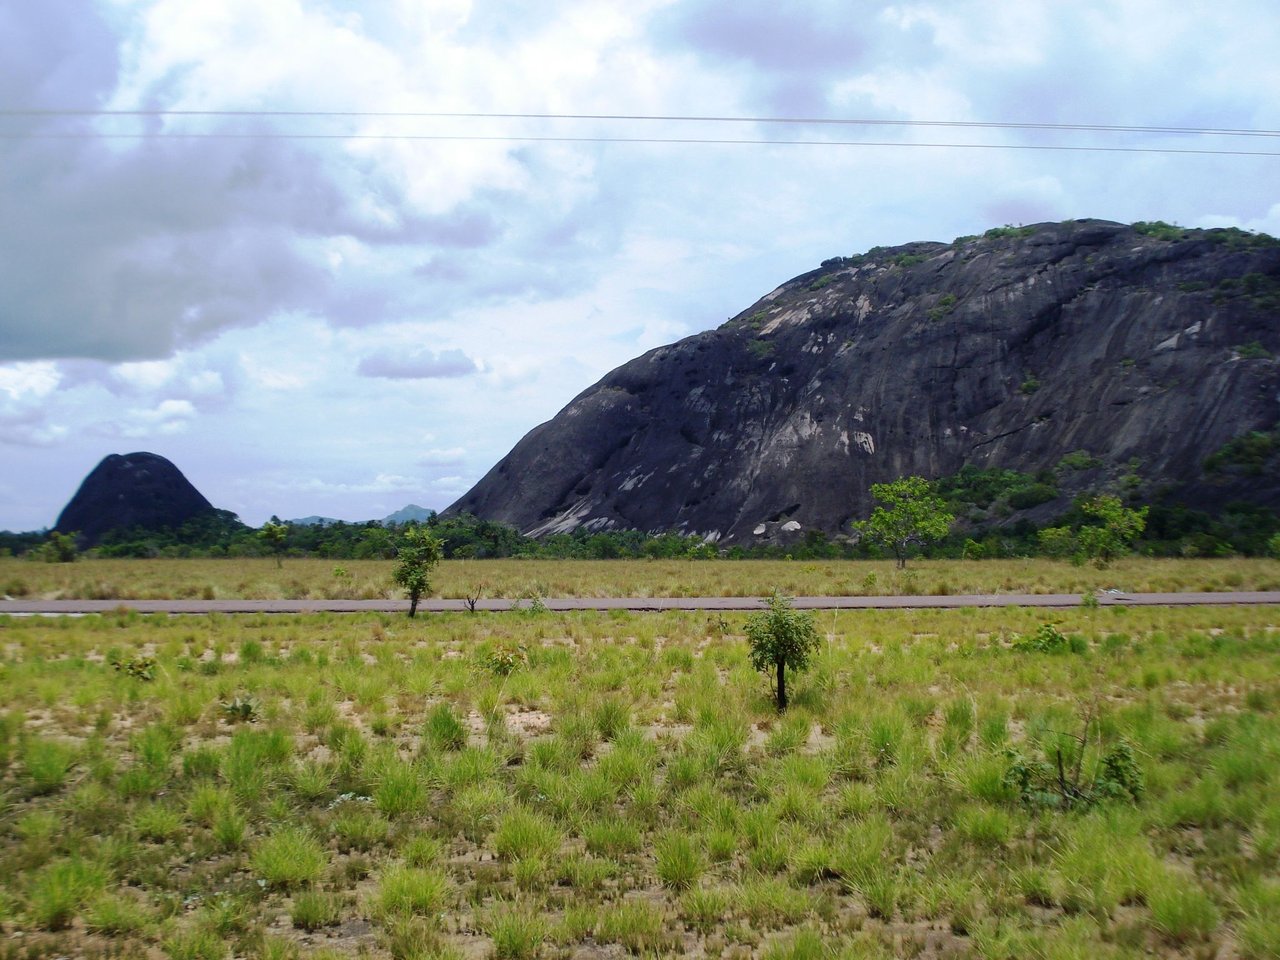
[
  {"x": 257, "y": 578},
  {"x": 631, "y": 786}
]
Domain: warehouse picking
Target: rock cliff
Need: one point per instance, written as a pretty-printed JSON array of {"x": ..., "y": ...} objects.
[
  {"x": 133, "y": 490},
  {"x": 1146, "y": 346}
]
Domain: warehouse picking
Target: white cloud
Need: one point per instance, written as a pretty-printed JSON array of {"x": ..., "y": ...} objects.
[
  {"x": 438, "y": 456},
  {"x": 417, "y": 365},
  {"x": 167, "y": 418},
  {"x": 381, "y": 483},
  {"x": 25, "y": 389},
  {"x": 284, "y": 289},
  {"x": 28, "y": 381}
]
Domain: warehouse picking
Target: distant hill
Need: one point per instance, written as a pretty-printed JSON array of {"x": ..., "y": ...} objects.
[
  {"x": 314, "y": 521},
  {"x": 408, "y": 514},
  {"x": 132, "y": 491},
  {"x": 1088, "y": 354}
]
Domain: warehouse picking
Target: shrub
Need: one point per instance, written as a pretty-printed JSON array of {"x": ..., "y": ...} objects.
[
  {"x": 1047, "y": 639},
  {"x": 1065, "y": 781},
  {"x": 1248, "y": 452},
  {"x": 241, "y": 709},
  {"x": 1160, "y": 230},
  {"x": 1252, "y": 351},
  {"x": 1032, "y": 496},
  {"x": 1008, "y": 231}
]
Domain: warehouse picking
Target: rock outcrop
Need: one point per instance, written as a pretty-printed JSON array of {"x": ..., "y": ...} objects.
[
  {"x": 1147, "y": 346},
  {"x": 131, "y": 491}
]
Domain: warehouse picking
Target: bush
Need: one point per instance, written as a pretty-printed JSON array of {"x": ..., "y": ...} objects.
[
  {"x": 1248, "y": 453},
  {"x": 1160, "y": 230},
  {"x": 1032, "y": 496},
  {"x": 1047, "y": 639}
]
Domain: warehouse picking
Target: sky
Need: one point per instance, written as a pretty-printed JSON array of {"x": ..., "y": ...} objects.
[{"x": 242, "y": 236}]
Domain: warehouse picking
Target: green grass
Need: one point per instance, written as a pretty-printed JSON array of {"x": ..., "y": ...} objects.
[
  {"x": 632, "y": 788},
  {"x": 258, "y": 578},
  {"x": 314, "y": 909},
  {"x": 679, "y": 861},
  {"x": 411, "y": 892},
  {"x": 517, "y": 932},
  {"x": 60, "y": 890},
  {"x": 289, "y": 857}
]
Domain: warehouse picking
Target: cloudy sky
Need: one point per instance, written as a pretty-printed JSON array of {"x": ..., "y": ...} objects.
[{"x": 240, "y": 234}]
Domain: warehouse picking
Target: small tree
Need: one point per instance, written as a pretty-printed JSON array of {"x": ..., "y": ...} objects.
[
  {"x": 274, "y": 534},
  {"x": 416, "y": 556},
  {"x": 59, "y": 548},
  {"x": 781, "y": 637},
  {"x": 911, "y": 514},
  {"x": 1118, "y": 527}
]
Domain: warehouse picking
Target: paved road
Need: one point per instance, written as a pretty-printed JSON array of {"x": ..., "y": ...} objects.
[{"x": 73, "y": 607}]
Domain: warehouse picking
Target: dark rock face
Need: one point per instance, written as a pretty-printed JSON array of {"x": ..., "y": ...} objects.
[
  {"x": 1149, "y": 348},
  {"x": 134, "y": 490}
]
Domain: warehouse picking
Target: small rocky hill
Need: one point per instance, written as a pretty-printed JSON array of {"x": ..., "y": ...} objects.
[
  {"x": 128, "y": 491},
  {"x": 1089, "y": 352}
]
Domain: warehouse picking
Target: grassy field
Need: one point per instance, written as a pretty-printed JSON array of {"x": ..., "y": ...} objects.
[
  {"x": 604, "y": 785},
  {"x": 327, "y": 579}
]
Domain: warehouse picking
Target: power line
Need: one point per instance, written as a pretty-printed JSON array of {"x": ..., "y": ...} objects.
[
  {"x": 1075, "y": 148},
  {"x": 676, "y": 118}
]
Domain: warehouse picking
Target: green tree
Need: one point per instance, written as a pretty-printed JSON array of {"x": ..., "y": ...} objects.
[
  {"x": 911, "y": 514},
  {"x": 60, "y": 548},
  {"x": 1118, "y": 526},
  {"x": 781, "y": 637},
  {"x": 417, "y": 554},
  {"x": 274, "y": 534}
]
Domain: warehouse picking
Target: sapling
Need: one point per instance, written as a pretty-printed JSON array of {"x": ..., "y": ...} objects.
[
  {"x": 781, "y": 637},
  {"x": 416, "y": 556}
]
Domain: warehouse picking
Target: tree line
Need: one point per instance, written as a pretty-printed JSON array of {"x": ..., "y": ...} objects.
[{"x": 969, "y": 515}]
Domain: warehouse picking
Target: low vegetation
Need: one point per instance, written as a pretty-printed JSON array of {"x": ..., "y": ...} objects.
[
  {"x": 259, "y": 579},
  {"x": 972, "y": 783}
]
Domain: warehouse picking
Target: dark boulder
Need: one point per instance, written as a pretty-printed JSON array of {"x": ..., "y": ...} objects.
[
  {"x": 1147, "y": 347},
  {"x": 131, "y": 491}
]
